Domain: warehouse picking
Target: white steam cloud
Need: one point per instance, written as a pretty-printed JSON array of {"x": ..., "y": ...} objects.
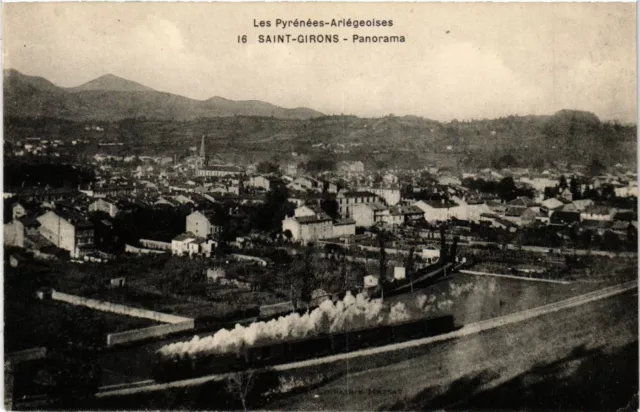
[{"x": 353, "y": 312}]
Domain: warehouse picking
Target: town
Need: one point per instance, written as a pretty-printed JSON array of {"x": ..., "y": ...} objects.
[{"x": 149, "y": 247}]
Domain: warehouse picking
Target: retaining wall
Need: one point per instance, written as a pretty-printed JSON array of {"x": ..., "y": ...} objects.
[
  {"x": 249, "y": 258},
  {"x": 146, "y": 333},
  {"x": 143, "y": 251},
  {"x": 26, "y": 355},
  {"x": 118, "y": 308},
  {"x": 155, "y": 244}
]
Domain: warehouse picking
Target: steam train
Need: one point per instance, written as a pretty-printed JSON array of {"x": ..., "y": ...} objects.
[{"x": 262, "y": 355}]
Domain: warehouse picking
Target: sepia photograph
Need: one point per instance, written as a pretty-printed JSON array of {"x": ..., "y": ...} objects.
[{"x": 306, "y": 206}]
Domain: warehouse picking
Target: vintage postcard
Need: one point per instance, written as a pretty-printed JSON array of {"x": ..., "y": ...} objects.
[{"x": 320, "y": 206}]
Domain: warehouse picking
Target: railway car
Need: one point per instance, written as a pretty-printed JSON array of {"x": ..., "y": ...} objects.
[
  {"x": 183, "y": 367},
  {"x": 309, "y": 348}
]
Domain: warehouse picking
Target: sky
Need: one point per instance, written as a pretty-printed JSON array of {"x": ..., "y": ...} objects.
[{"x": 459, "y": 61}]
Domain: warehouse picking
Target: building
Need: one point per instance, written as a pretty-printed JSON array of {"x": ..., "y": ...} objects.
[
  {"x": 18, "y": 210},
  {"x": 308, "y": 228},
  {"x": 180, "y": 243},
  {"x": 564, "y": 217},
  {"x": 105, "y": 205},
  {"x": 306, "y": 183},
  {"x": 441, "y": 210},
  {"x": 356, "y": 167},
  {"x": 67, "y": 230},
  {"x": 431, "y": 254},
  {"x": 630, "y": 190},
  {"x": 390, "y": 195},
  {"x": 552, "y": 204},
  {"x": 347, "y": 200},
  {"x": 598, "y": 212},
  {"x": 264, "y": 182},
  {"x": 219, "y": 171},
  {"x": 409, "y": 213},
  {"x": 201, "y": 224},
  {"x": 306, "y": 210},
  {"x": 344, "y": 227},
  {"x": 369, "y": 214}
]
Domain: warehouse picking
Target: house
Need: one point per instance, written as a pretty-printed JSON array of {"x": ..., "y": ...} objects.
[
  {"x": 264, "y": 182},
  {"x": 105, "y": 205},
  {"x": 201, "y": 247},
  {"x": 440, "y": 210},
  {"x": 308, "y": 228},
  {"x": 356, "y": 167},
  {"x": 582, "y": 204},
  {"x": 566, "y": 195},
  {"x": 449, "y": 181},
  {"x": 306, "y": 210},
  {"x": 14, "y": 233},
  {"x": 219, "y": 171},
  {"x": 18, "y": 210},
  {"x": 630, "y": 190},
  {"x": 369, "y": 214},
  {"x": 346, "y": 201},
  {"x": 344, "y": 227},
  {"x": 306, "y": 183},
  {"x": 564, "y": 217},
  {"x": 180, "y": 243},
  {"x": 552, "y": 204},
  {"x": 530, "y": 216},
  {"x": 67, "y": 230},
  {"x": 390, "y": 195},
  {"x": 201, "y": 224},
  {"x": 411, "y": 213},
  {"x": 431, "y": 254},
  {"x": 392, "y": 216},
  {"x": 598, "y": 212}
]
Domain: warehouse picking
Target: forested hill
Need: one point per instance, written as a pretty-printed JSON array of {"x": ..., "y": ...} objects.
[{"x": 528, "y": 141}]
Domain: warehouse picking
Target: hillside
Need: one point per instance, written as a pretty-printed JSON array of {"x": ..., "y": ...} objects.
[
  {"x": 109, "y": 82},
  {"x": 527, "y": 141},
  {"x": 111, "y": 98},
  {"x": 148, "y": 121}
]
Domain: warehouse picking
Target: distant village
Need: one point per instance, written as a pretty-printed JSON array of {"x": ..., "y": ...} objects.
[{"x": 338, "y": 205}]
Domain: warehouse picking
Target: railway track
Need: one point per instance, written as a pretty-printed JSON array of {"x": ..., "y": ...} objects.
[{"x": 470, "y": 329}]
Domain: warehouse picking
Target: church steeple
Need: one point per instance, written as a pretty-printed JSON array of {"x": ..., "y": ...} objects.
[
  {"x": 202, "y": 158},
  {"x": 203, "y": 152}
]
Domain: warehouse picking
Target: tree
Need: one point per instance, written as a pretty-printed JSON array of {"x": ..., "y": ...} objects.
[
  {"x": 288, "y": 235},
  {"x": 343, "y": 269},
  {"x": 454, "y": 249},
  {"x": 239, "y": 385},
  {"x": 308, "y": 277},
  {"x": 330, "y": 207},
  {"x": 383, "y": 260},
  {"x": 410, "y": 262},
  {"x": 595, "y": 168},
  {"x": 574, "y": 188},
  {"x": 267, "y": 168},
  {"x": 506, "y": 188},
  {"x": 443, "y": 243},
  {"x": 563, "y": 183}
]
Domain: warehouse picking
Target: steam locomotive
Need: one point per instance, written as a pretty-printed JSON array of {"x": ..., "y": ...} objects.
[{"x": 170, "y": 368}]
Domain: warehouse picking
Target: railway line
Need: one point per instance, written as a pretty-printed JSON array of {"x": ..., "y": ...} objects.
[{"x": 467, "y": 330}]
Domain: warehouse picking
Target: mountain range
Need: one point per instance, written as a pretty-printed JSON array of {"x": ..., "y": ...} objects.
[{"x": 113, "y": 98}]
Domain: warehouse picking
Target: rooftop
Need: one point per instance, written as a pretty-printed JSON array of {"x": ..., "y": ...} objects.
[{"x": 312, "y": 219}]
